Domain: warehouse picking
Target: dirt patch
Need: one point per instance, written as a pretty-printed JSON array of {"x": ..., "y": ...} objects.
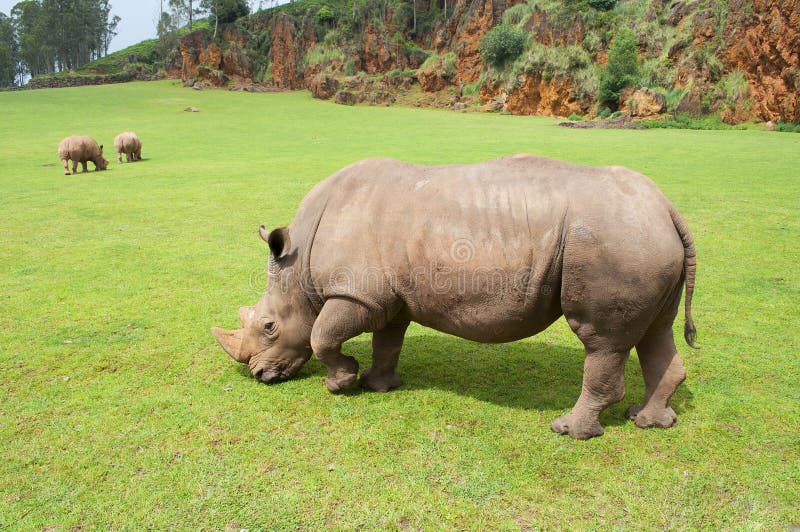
[{"x": 620, "y": 122}]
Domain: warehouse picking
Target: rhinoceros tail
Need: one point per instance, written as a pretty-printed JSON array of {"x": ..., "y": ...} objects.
[{"x": 689, "y": 269}]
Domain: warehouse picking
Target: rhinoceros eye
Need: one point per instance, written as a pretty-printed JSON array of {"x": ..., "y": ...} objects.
[{"x": 269, "y": 326}]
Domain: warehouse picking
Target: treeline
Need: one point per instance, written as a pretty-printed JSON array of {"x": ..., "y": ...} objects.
[{"x": 47, "y": 36}]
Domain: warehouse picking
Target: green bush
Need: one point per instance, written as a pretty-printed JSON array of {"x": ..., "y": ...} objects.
[
  {"x": 602, "y": 5},
  {"x": 502, "y": 44},
  {"x": 575, "y": 118},
  {"x": 622, "y": 69},
  {"x": 229, "y": 10},
  {"x": 414, "y": 51},
  {"x": 788, "y": 127},
  {"x": 685, "y": 121},
  {"x": 603, "y": 112},
  {"x": 325, "y": 15}
]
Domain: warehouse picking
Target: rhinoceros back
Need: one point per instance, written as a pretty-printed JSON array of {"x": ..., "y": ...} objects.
[{"x": 473, "y": 250}]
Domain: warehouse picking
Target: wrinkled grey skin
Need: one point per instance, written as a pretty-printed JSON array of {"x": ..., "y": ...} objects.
[
  {"x": 81, "y": 149},
  {"x": 492, "y": 252},
  {"x": 129, "y": 144}
]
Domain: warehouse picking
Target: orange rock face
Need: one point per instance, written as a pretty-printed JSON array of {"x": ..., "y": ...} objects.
[
  {"x": 535, "y": 96},
  {"x": 289, "y": 43},
  {"x": 545, "y": 32},
  {"x": 479, "y": 21},
  {"x": 377, "y": 56},
  {"x": 765, "y": 45},
  {"x": 197, "y": 49}
]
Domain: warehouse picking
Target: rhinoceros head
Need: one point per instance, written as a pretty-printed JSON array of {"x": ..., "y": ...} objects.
[
  {"x": 275, "y": 336},
  {"x": 101, "y": 163}
]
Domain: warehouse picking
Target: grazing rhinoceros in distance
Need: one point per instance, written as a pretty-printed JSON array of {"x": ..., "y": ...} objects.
[
  {"x": 491, "y": 252},
  {"x": 81, "y": 149},
  {"x": 129, "y": 144}
]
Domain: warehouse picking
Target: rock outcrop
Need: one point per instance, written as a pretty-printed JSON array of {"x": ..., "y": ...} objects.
[
  {"x": 323, "y": 87},
  {"x": 536, "y": 96},
  {"x": 760, "y": 38},
  {"x": 646, "y": 103},
  {"x": 290, "y": 41},
  {"x": 764, "y": 43}
]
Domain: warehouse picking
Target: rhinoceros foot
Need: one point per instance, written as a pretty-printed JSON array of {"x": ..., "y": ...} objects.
[
  {"x": 578, "y": 427},
  {"x": 343, "y": 376},
  {"x": 652, "y": 417},
  {"x": 379, "y": 382}
]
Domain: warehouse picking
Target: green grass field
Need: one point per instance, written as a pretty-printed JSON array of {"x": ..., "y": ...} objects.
[{"x": 118, "y": 409}]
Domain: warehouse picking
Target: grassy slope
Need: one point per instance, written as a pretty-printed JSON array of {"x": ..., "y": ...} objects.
[{"x": 117, "y": 408}]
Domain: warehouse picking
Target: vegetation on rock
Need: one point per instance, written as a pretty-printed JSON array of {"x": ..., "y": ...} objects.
[
  {"x": 502, "y": 44},
  {"x": 537, "y": 57}
]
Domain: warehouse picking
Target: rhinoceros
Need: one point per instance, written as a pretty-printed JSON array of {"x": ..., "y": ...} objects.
[
  {"x": 490, "y": 252},
  {"x": 81, "y": 149},
  {"x": 128, "y": 143}
]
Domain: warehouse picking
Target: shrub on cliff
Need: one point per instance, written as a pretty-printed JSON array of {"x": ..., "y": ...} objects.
[
  {"x": 622, "y": 69},
  {"x": 503, "y": 43},
  {"x": 602, "y": 5}
]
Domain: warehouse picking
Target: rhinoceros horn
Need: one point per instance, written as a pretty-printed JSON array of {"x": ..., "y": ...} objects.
[{"x": 231, "y": 342}]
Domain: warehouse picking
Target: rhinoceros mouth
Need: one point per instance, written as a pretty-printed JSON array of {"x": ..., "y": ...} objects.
[{"x": 270, "y": 376}]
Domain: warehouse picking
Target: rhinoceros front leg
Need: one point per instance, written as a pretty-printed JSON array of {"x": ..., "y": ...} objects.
[
  {"x": 339, "y": 320},
  {"x": 603, "y": 385},
  {"x": 386, "y": 346}
]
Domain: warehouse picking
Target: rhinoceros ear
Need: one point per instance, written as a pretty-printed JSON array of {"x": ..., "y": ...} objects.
[{"x": 277, "y": 239}]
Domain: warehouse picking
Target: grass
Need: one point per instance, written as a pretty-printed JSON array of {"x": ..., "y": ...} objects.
[
  {"x": 142, "y": 52},
  {"x": 117, "y": 408}
]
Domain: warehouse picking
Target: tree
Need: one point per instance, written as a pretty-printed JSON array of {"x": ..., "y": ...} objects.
[
  {"x": 186, "y": 9},
  {"x": 167, "y": 34},
  {"x": 55, "y": 35},
  {"x": 622, "y": 69},
  {"x": 9, "y": 53},
  {"x": 225, "y": 10}
]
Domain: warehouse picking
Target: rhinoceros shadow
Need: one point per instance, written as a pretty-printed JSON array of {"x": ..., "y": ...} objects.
[{"x": 528, "y": 374}]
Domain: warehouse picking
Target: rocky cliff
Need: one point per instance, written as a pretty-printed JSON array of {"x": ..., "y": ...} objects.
[{"x": 739, "y": 58}]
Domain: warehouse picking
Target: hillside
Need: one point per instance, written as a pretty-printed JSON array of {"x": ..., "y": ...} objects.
[{"x": 737, "y": 58}]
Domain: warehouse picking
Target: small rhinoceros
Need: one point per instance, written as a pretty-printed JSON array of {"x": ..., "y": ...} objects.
[
  {"x": 491, "y": 252},
  {"x": 129, "y": 144},
  {"x": 81, "y": 149}
]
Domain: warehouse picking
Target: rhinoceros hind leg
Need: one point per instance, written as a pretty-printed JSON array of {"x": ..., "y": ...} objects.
[
  {"x": 339, "y": 320},
  {"x": 663, "y": 372},
  {"x": 603, "y": 385},
  {"x": 386, "y": 346}
]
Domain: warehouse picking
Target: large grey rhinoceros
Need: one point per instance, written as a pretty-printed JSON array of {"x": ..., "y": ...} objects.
[{"x": 491, "y": 252}]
